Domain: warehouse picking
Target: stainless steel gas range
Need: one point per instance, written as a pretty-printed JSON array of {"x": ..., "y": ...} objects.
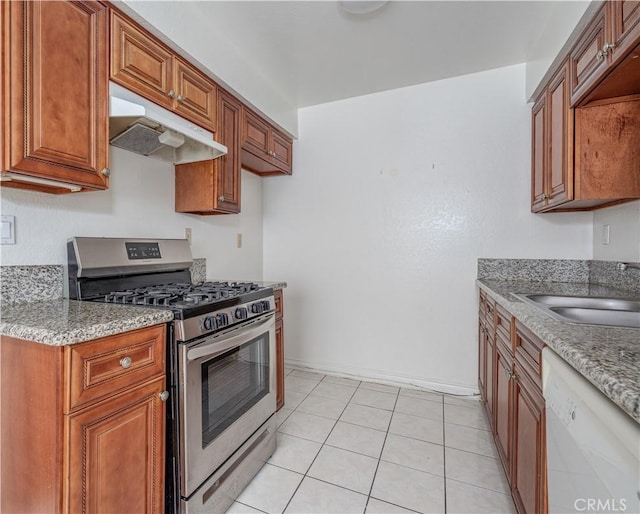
[{"x": 221, "y": 355}]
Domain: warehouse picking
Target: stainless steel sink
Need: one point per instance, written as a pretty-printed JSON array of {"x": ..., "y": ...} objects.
[
  {"x": 590, "y": 310},
  {"x": 614, "y": 318}
]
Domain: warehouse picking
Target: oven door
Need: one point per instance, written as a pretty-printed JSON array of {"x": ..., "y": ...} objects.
[{"x": 227, "y": 391}]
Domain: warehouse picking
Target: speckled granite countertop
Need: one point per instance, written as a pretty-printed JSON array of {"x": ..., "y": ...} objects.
[
  {"x": 262, "y": 283},
  {"x": 62, "y": 322},
  {"x": 608, "y": 357},
  {"x": 272, "y": 285}
]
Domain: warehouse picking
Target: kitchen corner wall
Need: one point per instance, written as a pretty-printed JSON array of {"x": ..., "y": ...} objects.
[
  {"x": 624, "y": 233},
  {"x": 139, "y": 203},
  {"x": 394, "y": 197}
]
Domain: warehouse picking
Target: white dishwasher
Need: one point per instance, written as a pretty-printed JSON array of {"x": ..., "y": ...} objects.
[{"x": 593, "y": 447}]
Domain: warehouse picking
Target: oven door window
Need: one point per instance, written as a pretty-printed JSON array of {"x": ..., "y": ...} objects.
[{"x": 232, "y": 383}]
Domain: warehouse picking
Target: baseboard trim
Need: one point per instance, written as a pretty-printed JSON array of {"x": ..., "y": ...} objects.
[{"x": 382, "y": 377}]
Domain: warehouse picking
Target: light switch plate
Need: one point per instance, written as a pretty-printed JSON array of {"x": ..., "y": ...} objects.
[
  {"x": 605, "y": 234},
  {"x": 8, "y": 236}
]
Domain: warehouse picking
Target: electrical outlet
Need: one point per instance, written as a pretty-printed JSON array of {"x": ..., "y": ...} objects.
[
  {"x": 239, "y": 240},
  {"x": 187, "y": 234}
]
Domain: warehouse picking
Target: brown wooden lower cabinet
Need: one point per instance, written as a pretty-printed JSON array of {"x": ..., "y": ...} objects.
[
  {"x": 279, "y": 349},
  {"x": 515, "y": 406},
  {"x": 502, "y": 411},
  {"x": 529, "y": 445},
  {"x": 106, "y": 454}
]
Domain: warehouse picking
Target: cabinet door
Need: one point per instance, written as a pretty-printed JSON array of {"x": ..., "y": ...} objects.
[
  {"x": 587, "y": 61},
  {"x": 502, "y": 403},
  {"x": 195, "y": 95},
  {"x": 282, "y": 151},
  {"x": 491, "y": 379},
  {"x": 255, "y": 135},
  {"x": 213, "y": 186},
  {"x": 228, "y": 166},
  {"x": 529, "y": 446},
  {"x": 482, "y": 361},
  {"x": 538, "y": 154},
  {"x": 115, "y": 460},
  {"x": 559, "y": 176},
  {"x": 625, "y": 24},
  {"x": 141, "y": 63},
  {"x": 54, "y": 71},
  {"x": 279, "y": 364}
]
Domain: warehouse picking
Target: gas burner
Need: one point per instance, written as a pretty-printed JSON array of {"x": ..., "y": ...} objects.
[
  {"x": 155, "y": 298},
  {"x": 197, "y": 297},
  {"x": 119, "y": 297}
]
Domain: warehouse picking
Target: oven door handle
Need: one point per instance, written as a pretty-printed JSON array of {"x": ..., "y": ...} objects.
[{"x": 226, "y": 343}]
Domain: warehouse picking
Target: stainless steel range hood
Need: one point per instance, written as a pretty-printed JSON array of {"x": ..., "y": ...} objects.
[{"x": 142, "y": 127}]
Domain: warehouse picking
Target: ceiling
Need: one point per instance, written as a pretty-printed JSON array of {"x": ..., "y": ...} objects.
[
  {"x": 284, "y": 55},
  {"x": 316, "y": 52}
]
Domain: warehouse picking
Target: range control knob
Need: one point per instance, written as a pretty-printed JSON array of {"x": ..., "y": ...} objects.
[
  {"x": 257, "y": 307},
  {"x": 222, "y": 320},
  {"x": 266, "y": 305},
  {"x": 209, "y": 323},
  {"x": 241, "y": 313}
]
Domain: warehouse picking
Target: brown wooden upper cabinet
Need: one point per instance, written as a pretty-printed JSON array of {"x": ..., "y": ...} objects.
[
  {"x": 586, "y": 119},
  {"x": 625, "y": 26},
  {"x": 265, "y": 150},
  {"x": 213, "y": 187},
  {"x": 613, "y": 31},
  {"x": 55, "y": 105},
  {"x": 552, "y": 148},
  {"x": 144, "y": 65}
]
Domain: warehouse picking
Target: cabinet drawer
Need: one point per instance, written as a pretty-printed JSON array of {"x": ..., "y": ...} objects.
[
  {"x": 482, "y": 307},
  {"x": 528, "y": 351},
  {"x": 111, "y": 364},
  {"x": 490, "y": 313},
  {"x": 503, "y": 324},
  {"x": 279, "y": 304}
]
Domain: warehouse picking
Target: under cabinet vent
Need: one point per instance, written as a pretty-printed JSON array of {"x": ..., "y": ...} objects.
[{"x": 139, "y": 139}]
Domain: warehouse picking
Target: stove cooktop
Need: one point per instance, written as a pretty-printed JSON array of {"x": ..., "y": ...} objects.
[{"x": 188, "y": 300}]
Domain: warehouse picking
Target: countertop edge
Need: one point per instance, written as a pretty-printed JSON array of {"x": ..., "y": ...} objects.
[
  {"x": 117, "y": 324},
  {"x": 614, "y": 388}
]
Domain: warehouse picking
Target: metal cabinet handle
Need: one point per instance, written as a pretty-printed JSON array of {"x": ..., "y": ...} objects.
[
  {"x": 600, "y": 55},
  {"x": 608, "y": 47},
  {"x": 180, "y": 98},
  {"x": 105, "y": 172},
  {"x": 126, "y": 362},
  {"x": 221, "y": 198},
  {"x": 164, "y": 395},
  {"x": 171, "y": 94}
]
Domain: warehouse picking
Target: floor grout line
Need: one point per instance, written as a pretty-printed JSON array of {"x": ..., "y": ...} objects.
[
  {"x": 398, "y": 394},
  {"x": 375, "y": 473},
  {"x": 444, "y": 454},
  {"x": 322, "y": 445}
]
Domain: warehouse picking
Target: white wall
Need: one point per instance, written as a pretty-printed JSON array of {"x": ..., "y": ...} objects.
[
  {"x": 563, "y": 17},
  {"x": 139, "y": 203},
  {"x": 394, "y": 197},
  {"x": 624, "y": 233}
]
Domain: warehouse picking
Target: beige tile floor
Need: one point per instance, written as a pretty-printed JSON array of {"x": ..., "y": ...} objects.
[{"x": 352, "y": 447}]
